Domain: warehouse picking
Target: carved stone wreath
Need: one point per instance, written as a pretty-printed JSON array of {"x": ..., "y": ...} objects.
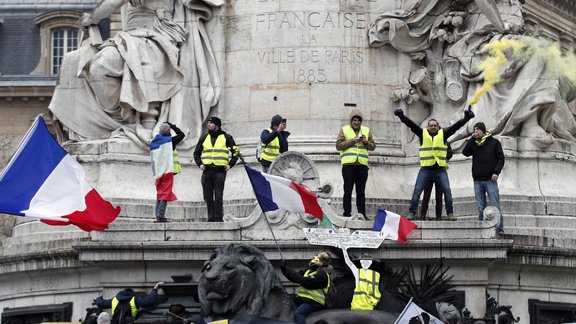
[{"x": 299, "y": 168}]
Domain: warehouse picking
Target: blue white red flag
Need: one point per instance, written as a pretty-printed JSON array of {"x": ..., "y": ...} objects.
[
  {"x": 273, "y": 192},
  {"x": 42, "y": 181},
  {"x": 394, "y": 226},
  {"x": 163, "y": 166}
]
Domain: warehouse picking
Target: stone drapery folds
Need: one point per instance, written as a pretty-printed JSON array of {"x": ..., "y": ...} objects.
[
  {"x": 161, "y": 67},
  {"x": 446, "y": 39}
]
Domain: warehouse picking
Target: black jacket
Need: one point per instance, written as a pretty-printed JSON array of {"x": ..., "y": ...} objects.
[
  {"x": 448, "y": 131},
  {"x": 178, "y": 137},
  {"x": 266, "y": 137},
  {"x": 213, "y": 135},
  {"x": 487, "y": 159},
  {"x": 125, "y": 295},
  {"x": 317, "y": 281}
]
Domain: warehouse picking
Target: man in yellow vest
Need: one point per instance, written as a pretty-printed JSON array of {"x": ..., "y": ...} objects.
[
  {"x": 367, "y": 292},
  {"x": 314, "y": 284},
  {"x": 214, "y": 154},
  {"x": 433, "y": 161},
  {"x": 354, "y": 141},
  {"x": 126, "y": 304},
  {"x": 273, "y": 142}
]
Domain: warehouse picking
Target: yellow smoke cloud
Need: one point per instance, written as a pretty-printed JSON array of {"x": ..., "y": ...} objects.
[
  {"x": 505, "y": 50},
  {"x": 493, "y": 64}
]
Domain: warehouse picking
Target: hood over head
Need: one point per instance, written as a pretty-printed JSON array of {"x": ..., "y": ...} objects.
[{"x": 355, "y": 113}]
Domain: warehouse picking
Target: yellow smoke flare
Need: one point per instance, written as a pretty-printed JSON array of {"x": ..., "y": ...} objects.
[
  {"x": 496, "y": 59},
  {"x": 505, "y": 50}
]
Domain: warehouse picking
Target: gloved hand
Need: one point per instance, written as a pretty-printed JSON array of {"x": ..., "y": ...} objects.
[
  {"x": 399, "y": 112},
  {"x": 227, "y": 167},
  {"x": 283, "y": 266},
  {"x": 202, "y": 167},
  {"x": 469, "y": 114}
]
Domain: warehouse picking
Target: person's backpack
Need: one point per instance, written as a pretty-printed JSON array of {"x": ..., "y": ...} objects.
[
  {"x": 122, "y": 313},
  {"x": 330, "y": 296}
]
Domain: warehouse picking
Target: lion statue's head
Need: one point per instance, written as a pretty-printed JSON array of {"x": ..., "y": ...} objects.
[{"x": 238, "y": 279}]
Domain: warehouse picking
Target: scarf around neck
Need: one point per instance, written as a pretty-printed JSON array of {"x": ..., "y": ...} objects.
[{"x": 481, "y": 141}]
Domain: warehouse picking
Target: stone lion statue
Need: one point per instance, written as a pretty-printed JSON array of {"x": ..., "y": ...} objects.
[{"x": 238, "y": 279}]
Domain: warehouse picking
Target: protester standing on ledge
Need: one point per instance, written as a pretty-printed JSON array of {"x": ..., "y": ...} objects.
[
  {"x": 433, "y": 161},
  {"x": 314, "y": 284},
  {"x": 273, "y": 142},
  {"x": 214, "y": 154},
  {"x": 487, "y": 163},
  {"x": 354, "y": 141},
  {"x": 165, "y": 164},
  {"x": 437, "y": 190}
]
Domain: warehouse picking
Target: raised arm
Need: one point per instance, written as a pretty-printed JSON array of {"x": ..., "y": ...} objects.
[{"x": 103, "y": 10}]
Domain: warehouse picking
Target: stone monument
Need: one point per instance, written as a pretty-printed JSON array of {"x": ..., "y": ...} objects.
[{"x": 312, "y": 62}]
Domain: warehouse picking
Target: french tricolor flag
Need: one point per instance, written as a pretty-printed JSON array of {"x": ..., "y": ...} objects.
[
  {"x": 394, "y": 226},
  {"x": 163, "y": 166},
  {"x": 274, "y": 192},
  {"x": 42, "y": 181}
]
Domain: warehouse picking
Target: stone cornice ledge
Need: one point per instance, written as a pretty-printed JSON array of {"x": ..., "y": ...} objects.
[
  {"x": 543, "y": 256},
  {"x": 476, "y": 249},
  {"x": 43, "y": 260}
]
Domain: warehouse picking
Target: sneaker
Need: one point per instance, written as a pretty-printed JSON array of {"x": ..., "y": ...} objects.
[
  {"x": 161, "y": 220},
  {"x": 451, "y": 217},
  {"x": 410, "y": 216}
]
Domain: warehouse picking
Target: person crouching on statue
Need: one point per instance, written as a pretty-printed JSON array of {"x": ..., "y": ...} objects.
[{"x": 314, "y": 283}]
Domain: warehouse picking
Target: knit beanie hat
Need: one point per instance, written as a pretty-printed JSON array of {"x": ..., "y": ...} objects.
[
  {"x": 103, "y": 318},
  {"x": 165, "y": 129},
  {"x": 276, "y": 120},
  {"x": 216, "y": 121},
  {"x": 481, "y": 126}
]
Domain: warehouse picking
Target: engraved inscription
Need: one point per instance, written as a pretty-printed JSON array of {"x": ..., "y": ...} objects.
[
  {"x": 45, "y": 283},
  {"x": 349, "y": 56},
  {"x": 307, "y": 32},
  {"x": 313, "y": 20}
]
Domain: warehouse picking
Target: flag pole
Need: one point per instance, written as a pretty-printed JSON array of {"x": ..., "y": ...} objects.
[
  {"x": 404, "y": 310},
  {"x": 239, "y": 154}
]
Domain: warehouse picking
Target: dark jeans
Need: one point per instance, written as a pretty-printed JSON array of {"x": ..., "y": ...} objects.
[
  {"x": 213, "y": 188},
  {"x": 440, "y": 177},
  {"x": 354, "y": 175},
  {"x": 304, "y": 310},
  {"x": 161, "y": 209},
  {"x": 488, "y": 188},
  {"x": 426, "y": 199}
]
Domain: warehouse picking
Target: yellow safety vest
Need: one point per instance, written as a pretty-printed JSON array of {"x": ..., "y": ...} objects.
[
  {"x": 366, "y": 294},
  {"x": 272, "y": 150},
  {"x": 317, "y": 295},
  {"x": 218, "y": 154},
  {"x": 357, "y": 152},
  {"x": 176, "y": 161},
  {"x": 433, "y": 149},
  {"x": 133, "y": 307}
]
